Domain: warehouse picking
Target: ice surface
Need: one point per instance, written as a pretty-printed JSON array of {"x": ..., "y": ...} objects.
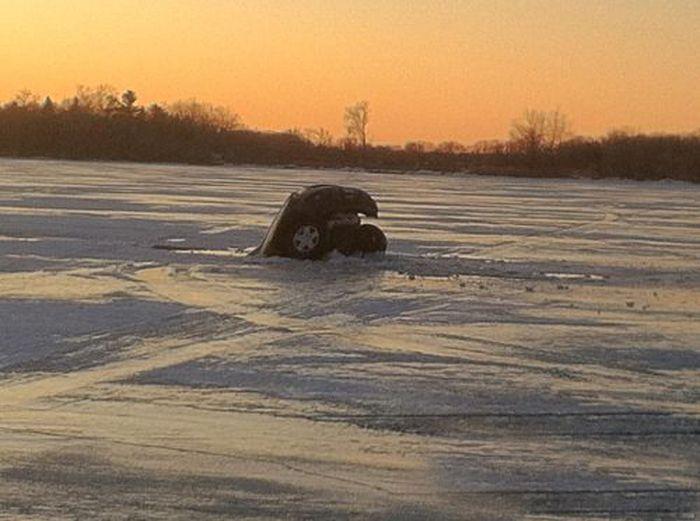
[{"x": 525, "y": 349}]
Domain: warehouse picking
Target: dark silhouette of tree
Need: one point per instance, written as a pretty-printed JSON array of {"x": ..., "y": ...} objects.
[
  {"x": 98, "y": 100},
  {"x": 528, "y": 134},
  {"x": 128, "y": 100},
  {"x": 538, "y": 131},
  {"x": 451, "y": 147},
  {"x": 25, "y": 98},
  {"x": 48, "y": 105},
  {"x": 205, "y": 114},
  {"x": 356, "y": 121},
  {"x": 419, "y": 147},
  {"x": 156, "y": 112},
  {"x": 489, "y": 146},
  {"x": 96, "y": 123},
  {"x": 319, "y": 137},
  {"x": 557, "y": 129}
]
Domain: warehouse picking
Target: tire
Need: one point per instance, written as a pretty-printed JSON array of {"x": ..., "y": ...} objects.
[
  {"x": 307, "y": 240},
  {"x": 352, "y": 240},
  {"x": 371, "y": 239}
]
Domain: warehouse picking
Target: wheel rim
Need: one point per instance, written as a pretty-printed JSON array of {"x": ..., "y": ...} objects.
[{"x": 306, "y": 238}]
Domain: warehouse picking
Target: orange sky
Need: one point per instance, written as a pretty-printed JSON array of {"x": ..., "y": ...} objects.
[{"x": 431, "y": 69}]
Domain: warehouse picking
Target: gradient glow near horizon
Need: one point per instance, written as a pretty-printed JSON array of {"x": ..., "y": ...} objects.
[{"x": 431, "y": 70}]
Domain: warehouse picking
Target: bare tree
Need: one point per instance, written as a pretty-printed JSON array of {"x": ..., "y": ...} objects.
[
  {"x": 319, "y": 137},
  {"x": 537, "y": 131},
  {"x": 206, "y": 114},
  {"x": 623, "y": 133},
  {"x": 488, "y": 146},
  {"x": 451, "y": 147},
  {"x": 419, "y": 147},
  {"x": 98, "y": 100},
  {"x": 356, "y": 122},
  {"x": 528, "y": 133},
  {"x": 26, "y": 98},
  {"x": 558, "y": 129},
  {"x": 298, "y": 133}
]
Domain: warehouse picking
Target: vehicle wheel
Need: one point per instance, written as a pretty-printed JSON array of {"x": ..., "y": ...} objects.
[
  {"x": 371, "y": 239},
  {"x": 351, "y": 240},
  {"x": 308, "y": 241}
]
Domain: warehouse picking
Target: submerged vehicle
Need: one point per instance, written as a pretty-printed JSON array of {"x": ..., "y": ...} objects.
[{"x": 319, "y": 219}]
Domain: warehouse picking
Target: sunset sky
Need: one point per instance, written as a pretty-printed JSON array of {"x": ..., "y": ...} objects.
[{"x": 431, "y": 69}]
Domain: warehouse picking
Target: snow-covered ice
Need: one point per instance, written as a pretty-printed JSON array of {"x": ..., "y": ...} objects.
[{"x": 525, "y": 349}]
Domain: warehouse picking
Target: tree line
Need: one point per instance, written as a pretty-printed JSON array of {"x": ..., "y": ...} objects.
[{"x": 99, "y": 123}]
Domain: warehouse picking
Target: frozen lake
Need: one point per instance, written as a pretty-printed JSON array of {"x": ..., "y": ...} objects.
[{"x": 527, "y": 349}]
